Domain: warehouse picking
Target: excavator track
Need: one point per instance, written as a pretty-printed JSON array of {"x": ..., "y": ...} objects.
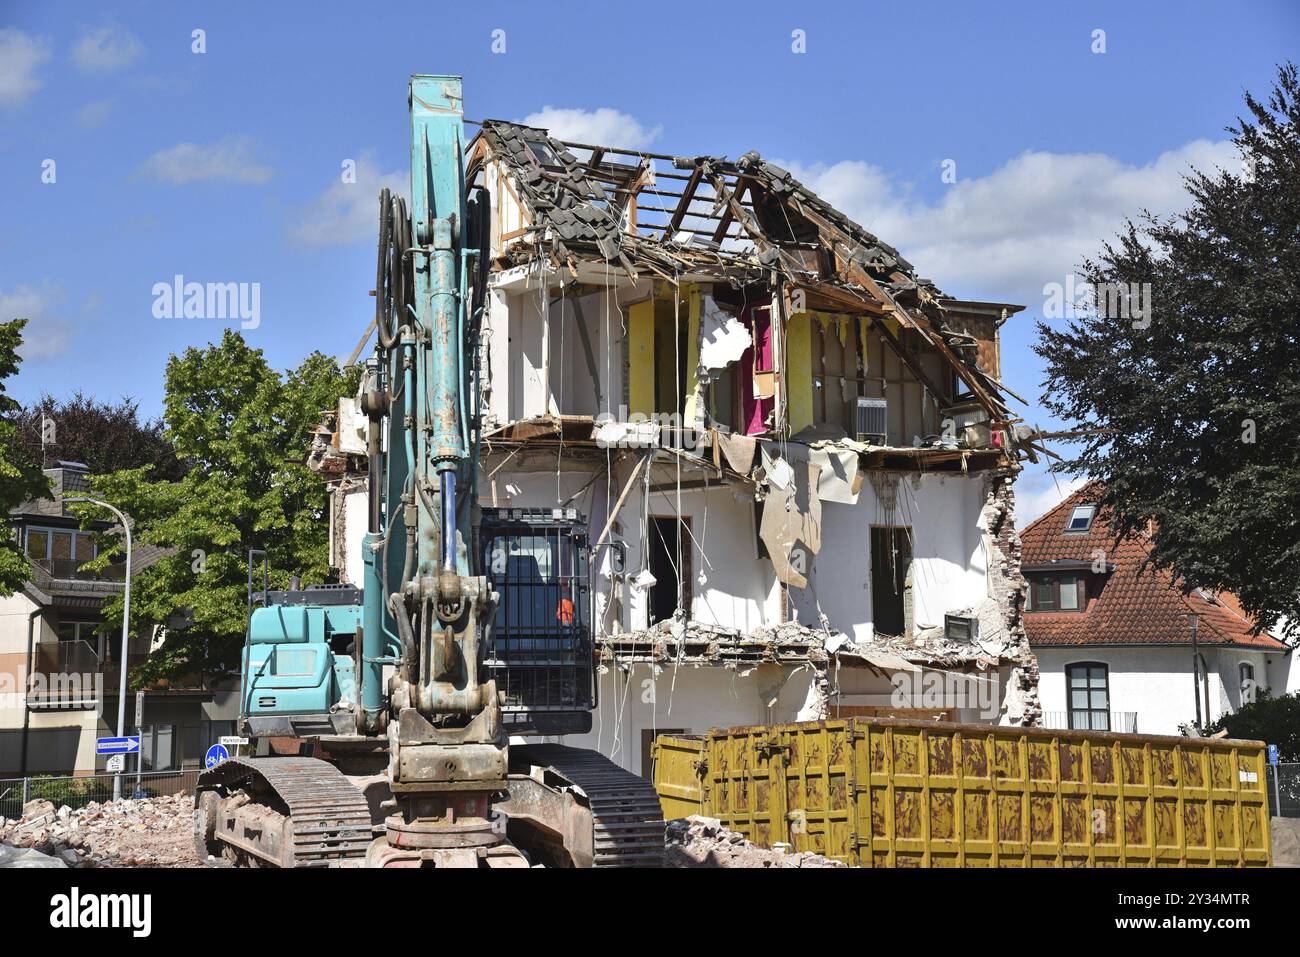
[
  {"x": 242, "y": 803},
  {"x": 628, "y": 821}
]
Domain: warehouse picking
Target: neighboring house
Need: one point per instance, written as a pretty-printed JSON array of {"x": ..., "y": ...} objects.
[
  {"x": 1114, "y": 644},
  {"x": 60, "y": 660},
  {"x": 788, "y": 453}
]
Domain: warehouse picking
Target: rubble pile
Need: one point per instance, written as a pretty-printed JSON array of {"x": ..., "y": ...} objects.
[
  {"x": 150, "y": 832},
  {"x": 699, "y": 841}
]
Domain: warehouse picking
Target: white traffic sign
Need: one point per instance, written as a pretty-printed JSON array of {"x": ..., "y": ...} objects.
[
  {"x": 116, "y": 763},
  {"x": 233, "y": 741}
]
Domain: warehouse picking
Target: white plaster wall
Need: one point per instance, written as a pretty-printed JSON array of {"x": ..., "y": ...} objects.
[
  {"x": 949, "y": 562},
  {"x": 1154, "y": 682},
  {"x": 1225, "y": 663},
  {"x": 1283, "y": 673},
  {"x": 691, "y": 698},
  {"x": 539, "y": 367},
  {"x": 740, "y": 590}
]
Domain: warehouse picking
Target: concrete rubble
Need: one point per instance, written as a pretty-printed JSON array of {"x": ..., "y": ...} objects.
[
  {"x": 150, "y": 832},
  {"x": 702, "y": 842}
]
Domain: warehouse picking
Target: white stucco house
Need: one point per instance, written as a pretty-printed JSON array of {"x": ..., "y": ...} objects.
[{"x": 1114, "y": 646}]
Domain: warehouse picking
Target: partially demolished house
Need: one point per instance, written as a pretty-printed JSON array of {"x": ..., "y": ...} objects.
[{"x": 793, "y": 455}]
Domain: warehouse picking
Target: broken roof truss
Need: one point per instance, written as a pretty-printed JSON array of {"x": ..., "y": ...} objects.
[{"x": 709, "y": 218}]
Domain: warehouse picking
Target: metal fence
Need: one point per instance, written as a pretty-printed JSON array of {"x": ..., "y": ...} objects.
[
  {"x": 1125, "y": 721},
  {"x": 1284, "y": 790},
  {"x": 77, "y": 792}
]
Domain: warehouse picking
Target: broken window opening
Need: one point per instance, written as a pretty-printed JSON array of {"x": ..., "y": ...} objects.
[
  {"x": 723, "y": 398},
  {"x": 891, "y": 579},
  {"x": 670, "y": 564}
]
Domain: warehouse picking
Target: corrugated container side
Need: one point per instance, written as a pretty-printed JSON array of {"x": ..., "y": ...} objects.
[
  {"x": 678, "y": 775},
  {"x": 887, "y": 792}
]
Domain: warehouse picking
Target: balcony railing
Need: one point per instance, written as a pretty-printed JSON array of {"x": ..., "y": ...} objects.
[
  {"x": 66, "y": 676},
  {"x": 1124, "y": 721},
  {"x": 69, "y": 569}
]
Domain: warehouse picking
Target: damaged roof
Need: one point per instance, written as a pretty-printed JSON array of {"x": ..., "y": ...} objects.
[{"x": 742, "y": 221}]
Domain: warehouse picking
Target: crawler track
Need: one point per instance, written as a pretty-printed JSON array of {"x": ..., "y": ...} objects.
[
  {"x": 628, "y": 820},
  {"x": 330, "y": 821}
]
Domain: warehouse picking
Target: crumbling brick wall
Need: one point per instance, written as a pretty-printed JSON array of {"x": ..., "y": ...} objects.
[{"x": 1009, "y": 588}]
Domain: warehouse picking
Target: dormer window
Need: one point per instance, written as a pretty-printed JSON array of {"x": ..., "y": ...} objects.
[
  {"x": 1056, "y": 593},
  {"x": 1081, "y": 518}
]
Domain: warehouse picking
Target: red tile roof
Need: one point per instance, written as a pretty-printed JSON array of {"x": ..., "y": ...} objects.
[{"x": 1132, "y": 608}]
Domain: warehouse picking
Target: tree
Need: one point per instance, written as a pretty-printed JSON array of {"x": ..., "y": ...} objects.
[
  {"x": 242, "y": 431},
  {"x": 1268, "y": 719},
  {"x": 1195, "y": 403},
  {"x": 105, "y": 436},
  {"x": 20, "y": 477}
]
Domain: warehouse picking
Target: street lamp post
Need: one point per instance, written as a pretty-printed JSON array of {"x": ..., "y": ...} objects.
[{"x": 126, "y": 620}]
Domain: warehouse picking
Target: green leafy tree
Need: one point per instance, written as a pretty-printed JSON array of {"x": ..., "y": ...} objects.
[
  {"x": 1268, "y": 719},
  {"x": 1195, "y": 403},
  {"x": 242, "y": 431},
  {"x": 20, "y": 477}
]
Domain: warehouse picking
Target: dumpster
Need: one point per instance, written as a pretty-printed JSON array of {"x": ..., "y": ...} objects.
[{"x": 886, "y": 792}]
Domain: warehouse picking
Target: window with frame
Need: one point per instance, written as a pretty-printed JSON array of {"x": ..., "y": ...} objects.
[
  {"x": 1246, "y": 681},
  {"x": 1081, "y": 518},
  {"x": 1087, "y": 689},
  {"x": 61, "y": 549},
  {"x": 1056, "y": 593}
]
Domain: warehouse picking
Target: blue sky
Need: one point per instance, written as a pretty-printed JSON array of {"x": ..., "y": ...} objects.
[{"x": 224, "y": 166}]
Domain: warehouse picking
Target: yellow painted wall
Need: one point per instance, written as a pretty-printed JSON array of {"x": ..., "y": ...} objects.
[
  {"x": 658, "y": 319},
  {"x": 797, "y": 378},
  {"x": 641, "y": 357}
]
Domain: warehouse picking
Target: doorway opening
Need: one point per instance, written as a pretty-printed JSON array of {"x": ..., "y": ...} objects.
[
  {"x": 891, "y": 579},
  {"x": 670, "y": 563}
]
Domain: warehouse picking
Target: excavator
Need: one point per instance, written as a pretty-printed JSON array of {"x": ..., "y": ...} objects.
[{"x": 390, "y": 724}]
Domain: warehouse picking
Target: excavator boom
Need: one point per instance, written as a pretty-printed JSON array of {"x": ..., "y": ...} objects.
[{"x": 387, "y": 699}]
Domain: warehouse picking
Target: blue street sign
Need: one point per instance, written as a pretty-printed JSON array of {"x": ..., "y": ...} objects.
[
  {"x": 127, "y": 745},
  {"x": 1272, "y": 754},
  {"x": 216, "y": 754}
]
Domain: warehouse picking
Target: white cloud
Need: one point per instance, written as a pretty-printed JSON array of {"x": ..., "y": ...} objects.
[
  {"x": 348, "y": 212},
  {"x": 106, "y": 49},
  {"x": 1038, "y": 493},
  {"x": 46, "y": 333},
  {"x": 20, "y": 56},
  {"x": 229, "y": 158},
  {"x": 1031, "y": 221},
  {"x": 93, "y": 114},
  {"x": 601, "y": 127}
]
